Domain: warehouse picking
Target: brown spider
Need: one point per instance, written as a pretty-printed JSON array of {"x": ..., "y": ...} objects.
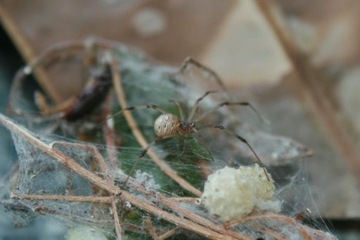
[{"x": 168, "y": 125}]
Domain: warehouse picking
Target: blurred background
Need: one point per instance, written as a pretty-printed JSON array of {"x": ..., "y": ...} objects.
[{"x": 297, "y": 61}]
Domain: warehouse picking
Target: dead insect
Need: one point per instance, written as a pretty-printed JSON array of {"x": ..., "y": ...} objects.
[
  {"x": 91, "y": 97},
  {"x": 88, "y": 98}
]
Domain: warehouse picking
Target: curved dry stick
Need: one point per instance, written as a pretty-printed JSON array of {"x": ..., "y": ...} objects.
[
  {"x": 118, "y": 228},
  {"x": 51, "y": 55},
  {"x": 34, "y": 65},
  {"x": 120, "y": 93},
  {"x": 307, "y": 80},
  {"x": 68, "y": 198},
  {"x": 275, "y": 217}
]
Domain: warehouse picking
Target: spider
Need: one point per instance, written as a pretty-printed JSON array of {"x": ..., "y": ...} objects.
[{"x": 168, "y": 125}]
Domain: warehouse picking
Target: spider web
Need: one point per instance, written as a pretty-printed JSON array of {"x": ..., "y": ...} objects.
[
  {"x": 192, "y": 157},
  {"x": 40, "y": 174}
]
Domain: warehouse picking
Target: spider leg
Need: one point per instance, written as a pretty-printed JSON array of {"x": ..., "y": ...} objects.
[
  {"x": 242, "y": 140},
  {"x": 196, "y": 105},
  {"x": 142, "y": 154},
  {"x": 180, "y": 108},
  {"x": 148, "y": 106},
  {"x": 229, "y": 104},
  {"x": 190, "y": 61}
]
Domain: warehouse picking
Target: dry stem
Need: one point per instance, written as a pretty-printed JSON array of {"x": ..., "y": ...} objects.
[
  {"x": 275, "y": 217},
  {"x": 140, "y": 137},
  {"x": 307, "y": 78}
]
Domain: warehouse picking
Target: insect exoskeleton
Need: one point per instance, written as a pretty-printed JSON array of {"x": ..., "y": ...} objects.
[{"x": 167, "y": 125}]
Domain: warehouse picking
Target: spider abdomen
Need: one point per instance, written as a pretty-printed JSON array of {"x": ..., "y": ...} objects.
[{"x": 167, "y": 125}]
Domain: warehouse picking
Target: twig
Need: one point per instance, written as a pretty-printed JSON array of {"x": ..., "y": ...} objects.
[
  {"x": 86, "y": 147},
  {"x": 50, "y": 55},
  {"x": 105, "y": 169},
  {"x": 22, "y": 43},
  {"x": 108, "y": 130},
  {"x": 150, "y": 228},
  {"x": 169, "y": 233},
  {"x": 195, "y": 201},
  {"x": 273, "y": 233},
  {"x": 154, "y": 235},
  {"x": 77, "y": 217},
  {"x": 307, "y": 78},
  {"x": 62, "y": 198},
  {"x": 274, "y": 217},
  {"x": 140, "y": 137},
  {"x": 198, "y": 219},
  {"x": 116, "y": 218}
]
